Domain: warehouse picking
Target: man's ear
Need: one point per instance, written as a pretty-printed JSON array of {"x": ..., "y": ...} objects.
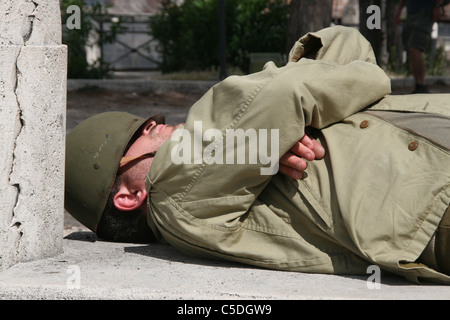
[
  {"x": 129, "y": 200},
  {"x": 147, "y": 127}
]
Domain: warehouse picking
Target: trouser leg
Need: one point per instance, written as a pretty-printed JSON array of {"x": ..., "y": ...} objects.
[{"x": 442, "y": 245}]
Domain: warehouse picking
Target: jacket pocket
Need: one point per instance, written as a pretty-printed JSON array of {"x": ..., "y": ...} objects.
[{"x": 315, "y": 203}]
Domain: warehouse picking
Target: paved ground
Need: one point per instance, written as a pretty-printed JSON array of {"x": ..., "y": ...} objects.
[{"x": 93, "y": 269}]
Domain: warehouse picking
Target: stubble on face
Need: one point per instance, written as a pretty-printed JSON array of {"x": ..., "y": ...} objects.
[{"x": 150, "y": 143}]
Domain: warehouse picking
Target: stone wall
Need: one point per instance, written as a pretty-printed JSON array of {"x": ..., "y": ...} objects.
[{"x": 32, "y": 130}]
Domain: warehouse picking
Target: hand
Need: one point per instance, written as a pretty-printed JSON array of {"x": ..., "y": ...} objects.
[{"x": 293, "y": 164}]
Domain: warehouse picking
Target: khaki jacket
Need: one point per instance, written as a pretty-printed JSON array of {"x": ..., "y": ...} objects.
[{"x": 376, "y": 198}]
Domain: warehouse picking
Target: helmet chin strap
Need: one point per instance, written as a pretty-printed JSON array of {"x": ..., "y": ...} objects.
[{"x": 126, "y": 160}]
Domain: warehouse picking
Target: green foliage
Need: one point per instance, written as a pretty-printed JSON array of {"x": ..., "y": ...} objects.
[
  {"x": 78, "y": 39},
  {"x": 259, "y": 26},
  {"x": 395, "y": 64},
  {"x": 436, "y": 63},
  {"x": 188, "y": 34}
]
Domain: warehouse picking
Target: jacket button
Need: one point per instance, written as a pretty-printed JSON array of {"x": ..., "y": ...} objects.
[
  {"x": 364, "y": 124},
  {"x": 412, "y": 146}
]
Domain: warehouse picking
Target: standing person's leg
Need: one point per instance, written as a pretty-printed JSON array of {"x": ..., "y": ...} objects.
[
  {"x": 417, "y": 64},
  {"x": 418, "y": 39}
]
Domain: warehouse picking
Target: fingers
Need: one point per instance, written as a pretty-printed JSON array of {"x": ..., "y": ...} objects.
[
  {"x": 301, "y": 150},
  {"x": 292, "y": 165},
  {"x": 293, "y": 161},
  {"x": 292, "y": 173},
  {"x": 308, "y": 148},
  {"x": 318, "y": 149}
]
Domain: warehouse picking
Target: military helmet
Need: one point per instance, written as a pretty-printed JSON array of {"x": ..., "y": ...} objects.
[{"x": 93, "y": 152}]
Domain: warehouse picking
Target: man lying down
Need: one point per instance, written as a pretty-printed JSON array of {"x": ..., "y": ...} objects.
[{"x": 377, "y": 193}]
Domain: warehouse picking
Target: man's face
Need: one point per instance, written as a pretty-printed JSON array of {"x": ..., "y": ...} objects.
[
  {"x": 152, "y": 136},
  {"x": 131, "y": 194}
]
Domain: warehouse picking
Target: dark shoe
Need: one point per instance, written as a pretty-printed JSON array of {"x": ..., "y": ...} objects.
[{"x": 421, "y": 88}]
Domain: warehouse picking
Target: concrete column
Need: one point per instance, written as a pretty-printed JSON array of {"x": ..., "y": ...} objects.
[{"x": 32, "y": 130}]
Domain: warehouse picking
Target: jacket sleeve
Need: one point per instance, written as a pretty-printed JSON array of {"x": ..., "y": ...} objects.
[{"x": 278, "y": 103}]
